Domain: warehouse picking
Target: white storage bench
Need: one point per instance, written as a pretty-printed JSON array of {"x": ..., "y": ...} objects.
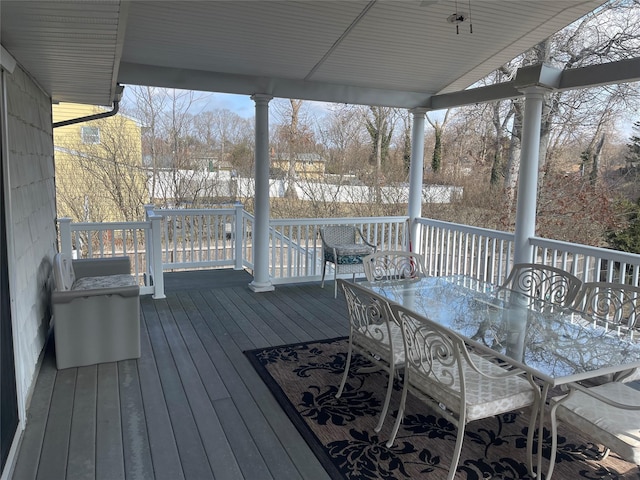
[{"x": 96, "y": 311}]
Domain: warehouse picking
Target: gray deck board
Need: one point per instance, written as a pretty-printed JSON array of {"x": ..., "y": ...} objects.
[
  {"x": 221, "y": 459},
  {"x": 195, "y": 463},
  {"x": 56, "y": 437},
  {"x": 318, "y": 318},
  {"x": 286, "y": 328},
  {"x": 192, "y": 407},
  {"x": 29, "y": 455},
  {"x": 138, "y": 462},
  {"x": 254, "y": 421},
  {"x": 109, "y": 450},
  {"x": 162, "y": 442},
  {"x": 83, "y": 425}
]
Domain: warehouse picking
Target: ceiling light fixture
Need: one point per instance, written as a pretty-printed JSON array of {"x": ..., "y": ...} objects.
[{"x": 458, "y": 17}]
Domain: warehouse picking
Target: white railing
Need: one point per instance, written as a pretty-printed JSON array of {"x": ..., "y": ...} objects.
[
  {"x": 487, "y": 255},
  {"x": 187, "y": 239},
  {"x": 589, "y": 264},
  {"x": 296, "y": 248},
  {"x": 191, "y": 239},
  {"x": 200, "y": 238},
  {"x": 452, "y": 249}
]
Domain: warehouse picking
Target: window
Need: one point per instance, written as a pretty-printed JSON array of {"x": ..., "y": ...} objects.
[{"x": 90, "y": 135}]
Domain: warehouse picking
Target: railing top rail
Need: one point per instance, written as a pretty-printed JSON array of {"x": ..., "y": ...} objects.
[
  {"x": 108, "y": 225},
  {"x": 336, "y": 221},
  {"x": 194, "y": 211},
  {"x": 587, "y": 250},
  {"x": 466, "y": 228}
]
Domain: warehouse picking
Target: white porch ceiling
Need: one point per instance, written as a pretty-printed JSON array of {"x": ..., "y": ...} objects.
[{"x": 383, "y": 52}]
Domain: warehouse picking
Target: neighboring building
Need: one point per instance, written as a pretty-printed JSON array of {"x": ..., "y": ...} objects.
[
  {"x": 98, "y": 166},
  {"x": 306, "y": 165}
]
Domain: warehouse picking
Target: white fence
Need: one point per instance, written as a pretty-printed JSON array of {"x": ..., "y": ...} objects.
[
  {"x": 191, "y": 184},
  {"x": 189, "y": 239}
]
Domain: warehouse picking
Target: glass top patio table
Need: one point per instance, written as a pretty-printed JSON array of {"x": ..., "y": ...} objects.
[{"x": 554, "y": 344}]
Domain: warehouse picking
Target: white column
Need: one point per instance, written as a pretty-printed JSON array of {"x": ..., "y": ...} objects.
[
  {"x": 261, "y": 281},
  {"x": 525, "y": 227},
  {"x": 416, "y": 172}
]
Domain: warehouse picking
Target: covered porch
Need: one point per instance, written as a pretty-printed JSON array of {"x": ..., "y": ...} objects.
[{"x": 361, "y": 52}]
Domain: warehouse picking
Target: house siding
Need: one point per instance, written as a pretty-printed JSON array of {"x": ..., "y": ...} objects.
[{"x": 32, "y": 218}]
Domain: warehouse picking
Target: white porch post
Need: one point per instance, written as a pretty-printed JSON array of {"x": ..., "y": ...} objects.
[
  {"x": 416, "y": 172},
  {"x": 261, "y": 281},
  {"x": 525, "y": 227},
  {"x": 66, "y": 245}
]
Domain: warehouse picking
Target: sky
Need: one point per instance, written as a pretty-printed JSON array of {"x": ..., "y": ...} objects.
[
  {"x": 240, "y": 104},
  {"x": 243, "y": 106}
]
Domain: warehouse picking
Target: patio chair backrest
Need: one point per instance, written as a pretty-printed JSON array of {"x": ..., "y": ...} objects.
[
  {"x": 610, "y": 304},
  {"x": 551, "y": 285},
  {"x": 394, "y": 266},
  {"x": 370, "y": 320},
  {"x": 339, "y": 234}
]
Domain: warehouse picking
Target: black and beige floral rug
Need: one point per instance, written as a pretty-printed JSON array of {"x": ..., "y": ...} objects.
[{"x": 305, "y": 378}]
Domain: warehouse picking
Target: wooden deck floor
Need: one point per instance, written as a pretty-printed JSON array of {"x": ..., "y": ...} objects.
[{"x": 191, "y": 407}]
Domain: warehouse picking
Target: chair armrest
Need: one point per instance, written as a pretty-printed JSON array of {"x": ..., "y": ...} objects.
[
  {"x": 69, "y": 296},
  {"x": 573, "y": 387},
  {"x": 97, "y": 267},
  {"x": 375, "y": 247}
]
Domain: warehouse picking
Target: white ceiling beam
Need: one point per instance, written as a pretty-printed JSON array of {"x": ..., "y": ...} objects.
[
  {"x": 168, "y": 77},
  {"x": 622, "y": 71}
]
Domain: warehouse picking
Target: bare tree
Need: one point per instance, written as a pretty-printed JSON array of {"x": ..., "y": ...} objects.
[
  {"x": 109, "y": 171},
  {"x": 438, "y": 128},
  {"x": 178, "y": 158},
  {"x": 380, "y": 123}
]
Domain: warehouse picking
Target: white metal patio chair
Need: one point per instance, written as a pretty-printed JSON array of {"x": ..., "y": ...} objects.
[
  {"x": 546, "y": 284},
  {"x": 344, "y": 246},
  {"x": 460, "y": 385},
  {"x": 374, "y": 333},
  {"x": 394, "y": 266},
  {"x": 608, "y": 413},
  {"x": 613, "y": 306}
]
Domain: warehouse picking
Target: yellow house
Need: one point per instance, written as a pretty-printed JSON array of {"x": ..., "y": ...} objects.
[
  {"x": 98, "y": 166},
  {"x": 309, "y": 166}
]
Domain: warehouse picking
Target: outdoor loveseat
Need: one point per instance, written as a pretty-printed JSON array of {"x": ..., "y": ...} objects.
[{"x": 96, "y": 311}]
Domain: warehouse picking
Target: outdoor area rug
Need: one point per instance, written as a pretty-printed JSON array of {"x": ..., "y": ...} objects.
[{"x": 305, "y": 378}]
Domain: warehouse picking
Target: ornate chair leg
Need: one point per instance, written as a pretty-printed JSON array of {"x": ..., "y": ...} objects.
[
  {"x": 347, "y": 365},
  {"x": 396, "y": 425},
  {"x": 456, "y": 453},
  {"x": 387, "y": 400}
]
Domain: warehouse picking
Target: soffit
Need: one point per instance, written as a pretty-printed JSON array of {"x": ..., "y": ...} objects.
[{"x": 382, "y": 52}]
